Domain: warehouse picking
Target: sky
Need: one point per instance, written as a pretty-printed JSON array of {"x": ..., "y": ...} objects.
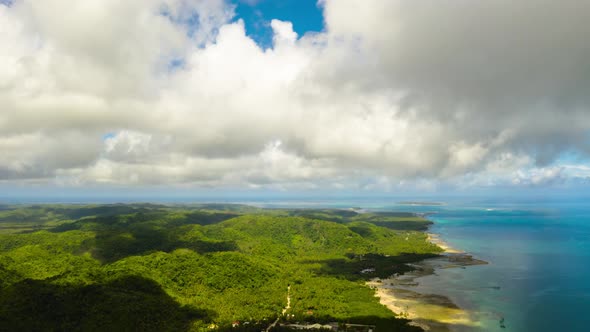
[{"x": 294, "y": 96}]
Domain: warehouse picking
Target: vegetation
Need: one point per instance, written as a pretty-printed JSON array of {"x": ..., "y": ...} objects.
[{"x": 145, "y": 267}]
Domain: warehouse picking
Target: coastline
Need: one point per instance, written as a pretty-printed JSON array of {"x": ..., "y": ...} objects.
[
  {"x": 446, "y": 247},
  {"x": 432, "y": 312}
]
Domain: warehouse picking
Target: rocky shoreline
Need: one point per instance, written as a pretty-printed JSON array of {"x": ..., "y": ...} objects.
[{"x": 431, "y": 312}]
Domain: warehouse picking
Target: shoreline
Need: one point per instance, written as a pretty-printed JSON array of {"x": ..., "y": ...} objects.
[
  {"x": 446, "y": 247},
  {"x": 432, "y": 312}
]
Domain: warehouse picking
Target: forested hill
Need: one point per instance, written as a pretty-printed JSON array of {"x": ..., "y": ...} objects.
[{"x": 146, "y": 267}]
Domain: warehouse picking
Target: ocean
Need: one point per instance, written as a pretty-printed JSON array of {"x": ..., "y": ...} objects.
[{"x": 538, "y": 276}]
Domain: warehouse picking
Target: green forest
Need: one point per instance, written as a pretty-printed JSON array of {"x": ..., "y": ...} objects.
[{"x": 201, "y": 267}]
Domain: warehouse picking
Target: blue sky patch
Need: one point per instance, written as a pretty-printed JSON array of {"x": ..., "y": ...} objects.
[
  {"x": 190, "y": 20},
  {"x": 108, "y": 136},
  {"x": 305, "y": 15},
  {"x": 176, "y": 63}
]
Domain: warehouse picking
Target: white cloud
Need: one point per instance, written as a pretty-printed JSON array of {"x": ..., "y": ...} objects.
[
  {"x": 283, "y": 33},
  {"x": 539, "y": 176},
  {"x": 392, "y": 94}
]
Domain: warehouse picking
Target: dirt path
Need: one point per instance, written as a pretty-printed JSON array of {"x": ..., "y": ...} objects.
[{"x": 284, "y": 311}]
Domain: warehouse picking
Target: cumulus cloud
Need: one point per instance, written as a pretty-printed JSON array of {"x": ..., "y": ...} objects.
[{"x": 392, "y": 92}]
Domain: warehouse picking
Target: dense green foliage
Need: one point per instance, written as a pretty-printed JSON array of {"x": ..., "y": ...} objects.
[{"x": 146, "y": 267}]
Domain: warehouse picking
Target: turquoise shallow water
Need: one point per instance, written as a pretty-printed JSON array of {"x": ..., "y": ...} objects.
[{"x": 538, "y": 278}]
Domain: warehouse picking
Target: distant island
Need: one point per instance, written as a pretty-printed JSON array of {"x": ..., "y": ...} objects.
[
  {"x": 420, "y": 203},
  {"x": 202, "y": 267}
]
